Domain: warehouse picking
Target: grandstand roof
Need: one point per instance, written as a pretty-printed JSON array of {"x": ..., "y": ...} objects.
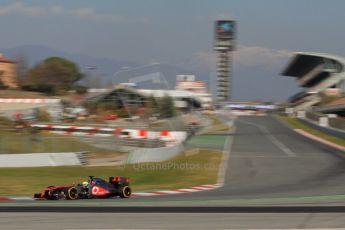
[{"x": 303, "y": 62}]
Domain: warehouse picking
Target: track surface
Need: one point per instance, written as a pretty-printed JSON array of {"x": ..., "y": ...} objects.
[
  {"x": 87, "y": 221},
  {"x": 268, "y": 160}
]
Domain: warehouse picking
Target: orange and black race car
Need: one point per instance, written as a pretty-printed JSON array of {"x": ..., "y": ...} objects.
[{"x": 93, "y": 188}]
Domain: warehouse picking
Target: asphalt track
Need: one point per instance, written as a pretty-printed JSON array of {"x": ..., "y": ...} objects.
[
  {"x": 269, "y": 160},
  {"x": 86, "y": 221}
]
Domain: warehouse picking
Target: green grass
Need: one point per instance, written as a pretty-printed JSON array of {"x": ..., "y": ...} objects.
[
  {"x": 180, "y": 172},
  {"x": 208, "y": 140},
  {"x": 297, "y": 124},
  {"x": 24, "y": 142},
  {"x": 217, "y": 127}
]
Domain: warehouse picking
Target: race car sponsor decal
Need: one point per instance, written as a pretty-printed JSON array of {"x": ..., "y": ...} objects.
[{"x": 99, "y": 191}]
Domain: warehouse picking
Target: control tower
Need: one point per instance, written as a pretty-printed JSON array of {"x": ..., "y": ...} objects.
[{"x": 224, "y": 45}]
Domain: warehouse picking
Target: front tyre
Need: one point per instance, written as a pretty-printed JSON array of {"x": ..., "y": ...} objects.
[
  {"x": 71, "y": 193},
  {"x": 125, "y": 192}
]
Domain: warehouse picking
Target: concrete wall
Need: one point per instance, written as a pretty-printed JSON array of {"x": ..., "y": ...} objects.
[
  {"x": 329, "y": 130},
  {"x": 41, "y": 159},
  {"x": 143, "y": 155},
  {"x": 28, "y": 107}
]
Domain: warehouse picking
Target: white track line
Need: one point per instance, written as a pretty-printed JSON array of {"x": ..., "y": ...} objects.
[
  {"x": 273, "y": 139},
  {"x": 225, "y": 159}
]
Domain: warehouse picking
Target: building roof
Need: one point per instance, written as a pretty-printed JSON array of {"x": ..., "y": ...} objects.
[
  {"x": 5, "y": 60},
  {"x": 303, "y": 62},
  {"x": 162, "y": 93}
]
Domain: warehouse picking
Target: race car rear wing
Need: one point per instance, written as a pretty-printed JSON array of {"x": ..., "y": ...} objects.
[{"x": 119, "y": 180}]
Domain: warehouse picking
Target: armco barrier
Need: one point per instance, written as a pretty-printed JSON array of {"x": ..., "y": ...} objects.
[
  {"x": 331, "y": 131},
  {"x": 143, "y": 155},
  {"x": 42, "y": 159}
]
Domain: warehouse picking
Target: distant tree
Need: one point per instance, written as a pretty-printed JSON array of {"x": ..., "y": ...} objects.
[
  {"x": 54, "y": 75},
  {"x": 166, "y": 107},
  {"x": 79, "y": 89}
]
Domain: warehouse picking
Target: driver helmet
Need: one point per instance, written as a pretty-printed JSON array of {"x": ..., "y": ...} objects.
[{"x": 85, "y": 183}]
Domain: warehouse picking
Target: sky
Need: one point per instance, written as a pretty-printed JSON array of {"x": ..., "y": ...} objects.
[{"x": 177, "y": 32}]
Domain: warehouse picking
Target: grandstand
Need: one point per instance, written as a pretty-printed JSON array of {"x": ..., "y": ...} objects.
[{"x": 317, "y": 73}]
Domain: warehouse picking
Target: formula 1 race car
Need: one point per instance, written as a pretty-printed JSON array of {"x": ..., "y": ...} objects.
[{"x": 93, "y": 188}]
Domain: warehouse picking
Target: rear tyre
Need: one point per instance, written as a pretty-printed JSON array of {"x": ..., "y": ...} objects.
[
  {"x": 71, "y": 193},
  {"x": 125, "y": 192}
]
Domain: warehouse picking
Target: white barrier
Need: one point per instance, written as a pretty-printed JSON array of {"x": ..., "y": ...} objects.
[
  {"x": 39, "y": 159},
  {"x": 29, "y": 100},
  {"x": 143, "y": 155},
  {"x": 170, "y": 137}
]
